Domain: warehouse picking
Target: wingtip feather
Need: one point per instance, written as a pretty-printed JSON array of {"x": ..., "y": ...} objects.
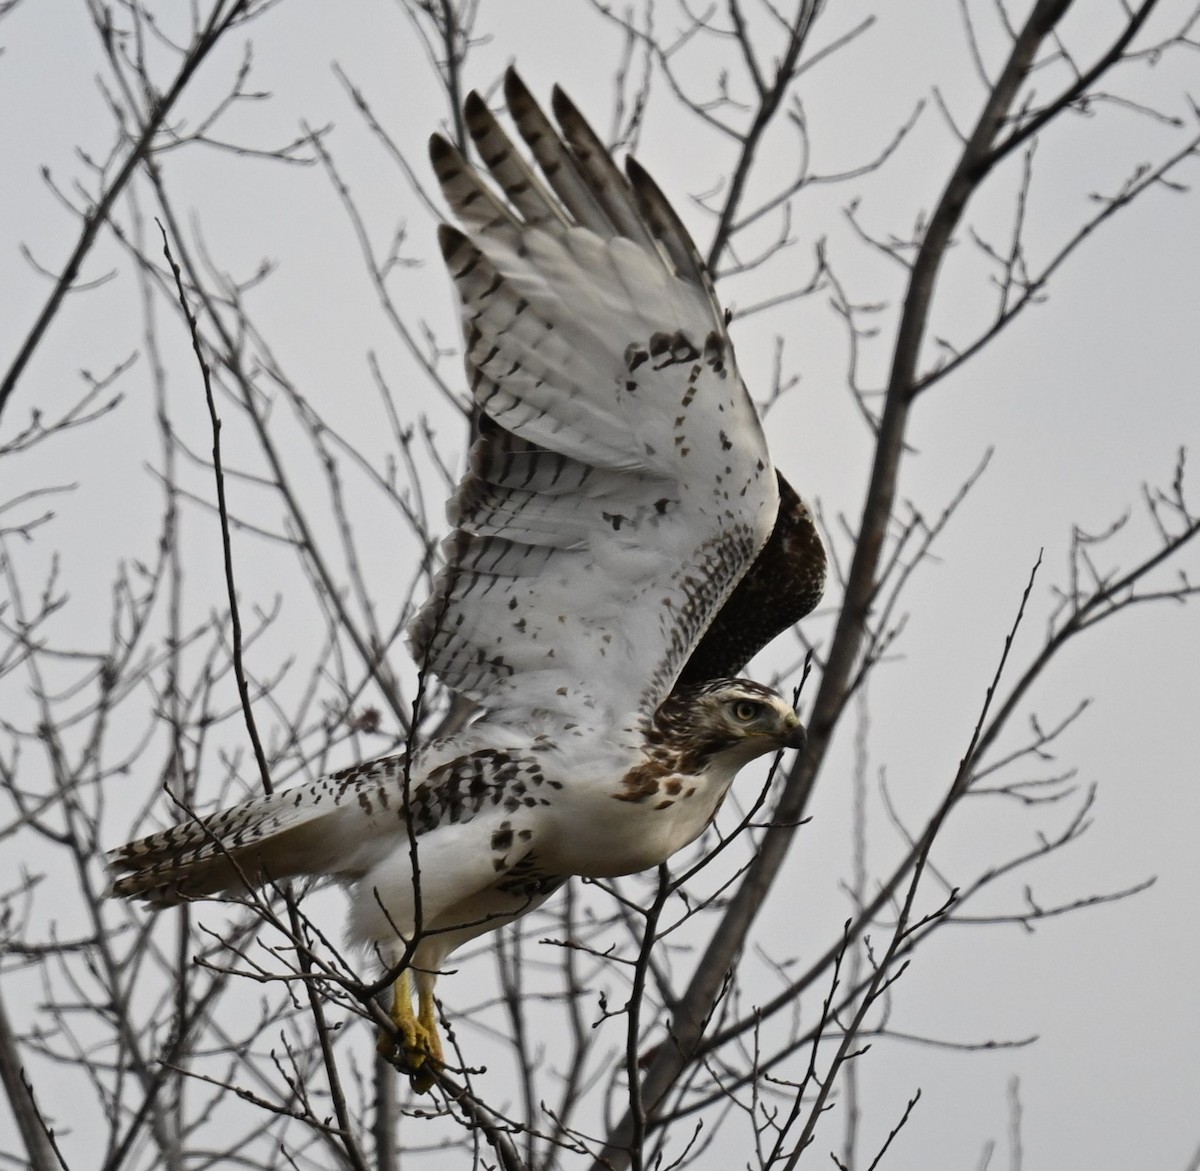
[
  {"x": 451, "y": 241},
  {"x": 440, "y": 149}
]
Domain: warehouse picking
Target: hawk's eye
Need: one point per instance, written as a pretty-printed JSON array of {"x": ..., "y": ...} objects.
[{"x": 744, "y": 710}]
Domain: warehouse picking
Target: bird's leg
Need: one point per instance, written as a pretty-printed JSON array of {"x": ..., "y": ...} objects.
[
  {"x": 417, "y": 1048},
  {"x": 427, "y": 1030},
  {"x": 395, "y": 1048},
  {"x": 427, "y": 1014}
]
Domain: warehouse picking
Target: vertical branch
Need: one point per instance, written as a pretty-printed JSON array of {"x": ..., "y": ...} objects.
[
  {"x": 239, "y": 669},
  {"x": 386, "y": 1117},
  {"x": 633, "y": 1009},
  {"x": 354, "y": 1154},
  {"x": 452, "y": 37},
  {"x": 858, "y": 888},
  {"x": 770, "y": 98},
  {"x": 35, "y": 1135},
  {"x": 176, "y": 780}
]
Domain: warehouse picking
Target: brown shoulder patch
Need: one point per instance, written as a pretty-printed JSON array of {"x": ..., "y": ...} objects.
[{"x": 642, "y": 782}]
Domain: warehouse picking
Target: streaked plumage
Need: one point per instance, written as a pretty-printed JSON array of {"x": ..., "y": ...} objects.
[{"x": 595, "y": 596}]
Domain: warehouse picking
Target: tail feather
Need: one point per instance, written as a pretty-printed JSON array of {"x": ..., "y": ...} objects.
[{"x": 265, "y": 839}]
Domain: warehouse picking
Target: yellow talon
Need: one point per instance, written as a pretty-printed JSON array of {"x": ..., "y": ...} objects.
[{"x": 416, "y": 1049}]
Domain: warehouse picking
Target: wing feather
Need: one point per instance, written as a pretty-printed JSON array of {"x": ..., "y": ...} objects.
[
  {"x": 668, "y": 229},
  {"x": 621, "y": 485},
  {"x": 519, "y": 181},
  {"x": 556, "y": 163},
  {"x": 473, "y": 201},
  {"x": 785, "y": 582},
  {"x": 599, "y": 173}
]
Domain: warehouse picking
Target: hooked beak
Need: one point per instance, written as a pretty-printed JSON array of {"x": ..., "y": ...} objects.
[{"x": 797, "y": 737}]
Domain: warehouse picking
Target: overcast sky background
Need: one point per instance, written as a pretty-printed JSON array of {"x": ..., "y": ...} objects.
[{"x": 1084, "y": 400}]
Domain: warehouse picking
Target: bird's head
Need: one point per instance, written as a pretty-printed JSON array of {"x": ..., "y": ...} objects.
[{"x": 734, "y": 719}]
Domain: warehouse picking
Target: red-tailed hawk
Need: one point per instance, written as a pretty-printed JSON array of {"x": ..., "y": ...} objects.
[{"x": 621, "y": 547}]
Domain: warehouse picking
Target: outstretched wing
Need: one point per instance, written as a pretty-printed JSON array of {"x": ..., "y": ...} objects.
[{"x": 620, "y": 487}]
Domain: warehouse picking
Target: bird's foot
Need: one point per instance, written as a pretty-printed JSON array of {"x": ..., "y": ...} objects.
[
  {"x": 413, "y": 1051},
  {"x": 415, "y": 1048}
]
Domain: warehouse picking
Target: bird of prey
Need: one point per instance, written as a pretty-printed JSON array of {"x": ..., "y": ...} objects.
[{"x": 621, "y": 546}]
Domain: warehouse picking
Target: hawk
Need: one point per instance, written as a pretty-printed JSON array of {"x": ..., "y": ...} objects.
[{"x": 621, "y": 546}]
